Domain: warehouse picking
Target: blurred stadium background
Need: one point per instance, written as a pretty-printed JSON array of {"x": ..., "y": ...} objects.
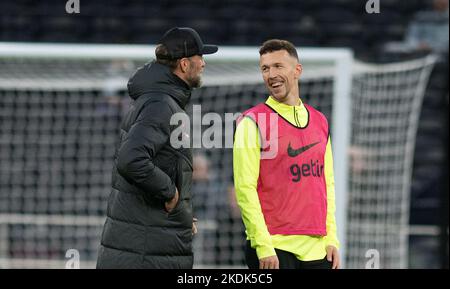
[{"x": 61, "y": 106}]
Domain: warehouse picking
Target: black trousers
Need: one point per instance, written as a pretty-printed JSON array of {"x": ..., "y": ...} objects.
[{"x": 287, "y": 260}]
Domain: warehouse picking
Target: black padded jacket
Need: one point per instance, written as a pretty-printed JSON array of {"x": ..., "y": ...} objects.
[{"x": 138, "y": 232}]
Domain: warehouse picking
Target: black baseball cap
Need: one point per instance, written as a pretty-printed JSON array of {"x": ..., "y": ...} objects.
[{"x": 185, "y": 42}]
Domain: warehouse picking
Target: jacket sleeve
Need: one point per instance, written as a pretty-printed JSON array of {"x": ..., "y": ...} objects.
[
  {"x": 136, "y": 154},
  {"x": 331, "y": 237},
  {"x": 246, "y": 160}
]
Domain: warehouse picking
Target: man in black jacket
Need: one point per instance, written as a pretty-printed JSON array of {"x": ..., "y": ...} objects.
[{"x": 149, "y": 217}]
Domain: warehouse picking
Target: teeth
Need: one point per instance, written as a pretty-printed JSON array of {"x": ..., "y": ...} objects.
[{"x": 276, "y": 84}]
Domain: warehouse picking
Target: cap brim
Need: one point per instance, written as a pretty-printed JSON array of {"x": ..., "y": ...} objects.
[{"x": 209, "y": 49}]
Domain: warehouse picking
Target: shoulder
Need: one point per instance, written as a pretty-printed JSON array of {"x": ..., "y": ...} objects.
[
  {"x": 260, "y": 108},
  {"x": 311, "y": 110},
  {"x": 157, "y": 108},
  {"x": 318, "y": 117},
  {"x": 246, "y": 122},
  {"x": 257, "y": 112}
]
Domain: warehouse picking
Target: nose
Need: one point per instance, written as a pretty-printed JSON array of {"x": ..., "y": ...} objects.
[{"x": 272, "y": 73}]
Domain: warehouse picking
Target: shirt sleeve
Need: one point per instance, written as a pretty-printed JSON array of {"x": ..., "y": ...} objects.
[
  {"x": 135, "y": 157},
  {"x": 246, "y": 160},
  {"x": 331, "y": 237}
]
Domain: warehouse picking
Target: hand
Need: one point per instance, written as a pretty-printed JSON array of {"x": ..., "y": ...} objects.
[
  {"x": 270, "y": 262},
  {"x": 172, "y": 203},
  {"x": 333, "y": 255},
  {"x": 194, "y": 226}
]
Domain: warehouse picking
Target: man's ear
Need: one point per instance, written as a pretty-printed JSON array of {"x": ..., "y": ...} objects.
[
  {"x": 298, "y": 70},
  {"x": 184, "y": 65}
]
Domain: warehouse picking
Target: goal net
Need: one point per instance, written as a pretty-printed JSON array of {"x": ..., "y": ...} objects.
[
  {"x": 60, "y": 111},
  {"x": 386, "y": 102}
]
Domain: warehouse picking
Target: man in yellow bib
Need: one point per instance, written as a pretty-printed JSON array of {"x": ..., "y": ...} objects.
[{"x": 285, "y": 185}]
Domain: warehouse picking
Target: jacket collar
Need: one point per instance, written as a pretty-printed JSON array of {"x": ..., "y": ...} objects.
[{"x": 157, "y": 77}]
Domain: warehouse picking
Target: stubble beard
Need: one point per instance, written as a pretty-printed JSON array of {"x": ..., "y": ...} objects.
[{"x": 195, "y": 81}]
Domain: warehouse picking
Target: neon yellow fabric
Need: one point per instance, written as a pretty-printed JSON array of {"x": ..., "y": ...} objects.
[{"x": 246, "y": 160}]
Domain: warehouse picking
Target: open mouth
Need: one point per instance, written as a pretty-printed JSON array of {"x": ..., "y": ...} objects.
[{"x": 276, "y": 84}]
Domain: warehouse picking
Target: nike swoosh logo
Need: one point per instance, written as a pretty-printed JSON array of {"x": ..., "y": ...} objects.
[{"x": 295, "y": 152}]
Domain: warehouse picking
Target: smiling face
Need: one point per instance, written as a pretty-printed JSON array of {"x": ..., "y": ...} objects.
[{"x": 281, "y": 72}]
